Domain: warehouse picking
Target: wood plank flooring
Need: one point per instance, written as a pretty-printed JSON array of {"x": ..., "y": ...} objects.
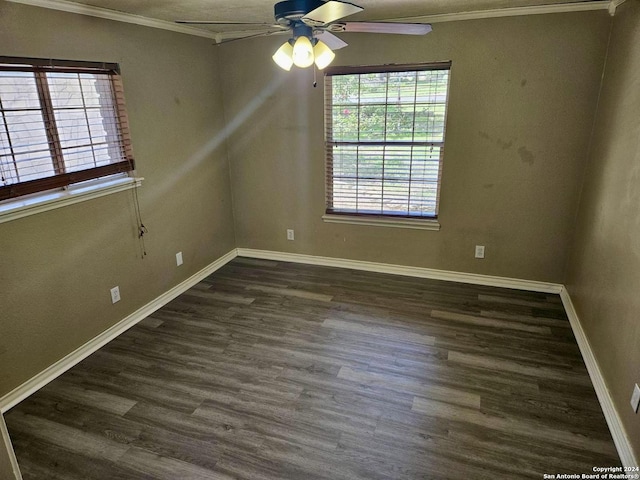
[{"x": 271, "y": 370}]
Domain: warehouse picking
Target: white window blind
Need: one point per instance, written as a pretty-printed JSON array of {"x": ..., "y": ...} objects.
[
  {"x": 60, "y": 123},
  {"x": 384, "y": 131}
]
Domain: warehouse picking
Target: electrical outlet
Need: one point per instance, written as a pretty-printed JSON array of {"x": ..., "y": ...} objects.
[
  {"x": 290, "y": 234},
  {"x": 479, "y": 251},
  {"x": 115, "y": 294},
  {"x": 635, "y": 398},
  {"x": 179, "y": 259}
]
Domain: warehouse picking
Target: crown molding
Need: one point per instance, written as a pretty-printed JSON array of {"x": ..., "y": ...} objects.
[
  {"x": 72, "y": 7},
  {"x": 510, "y": 12},
  {"x": 613, "y": 6}
]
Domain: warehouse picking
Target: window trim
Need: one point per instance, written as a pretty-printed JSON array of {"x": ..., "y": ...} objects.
[
  {"x": 388, "y": 68},
  {"x": 63, "y": 179},
  {"x": 427, "y": 222},
  {"x": 414, "y": 223},
  {"x": 40, "y": 202}
]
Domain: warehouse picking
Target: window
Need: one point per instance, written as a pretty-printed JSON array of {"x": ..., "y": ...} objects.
[
  {"x": 60, "y": 123},
  {"x": 384, "y": 131}
]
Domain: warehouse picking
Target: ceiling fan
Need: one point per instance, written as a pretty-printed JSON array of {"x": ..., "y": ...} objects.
[{"x": 312, "y": 24}]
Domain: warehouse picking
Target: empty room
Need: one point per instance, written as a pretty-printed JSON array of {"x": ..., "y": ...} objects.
[{"x": 319, "y": 239}]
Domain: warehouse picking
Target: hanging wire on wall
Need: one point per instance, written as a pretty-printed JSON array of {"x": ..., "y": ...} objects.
[{"x": 142, "y": 230}]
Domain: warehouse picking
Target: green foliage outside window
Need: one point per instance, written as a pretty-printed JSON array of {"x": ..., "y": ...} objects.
[{"x": 387, "y": 135}]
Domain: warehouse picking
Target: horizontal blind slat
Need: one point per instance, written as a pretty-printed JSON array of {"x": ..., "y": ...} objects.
[
  {"x": 33, "y": 186},
  {"x": 384, "y": 133},
  {"x": 78, "y": 131}
]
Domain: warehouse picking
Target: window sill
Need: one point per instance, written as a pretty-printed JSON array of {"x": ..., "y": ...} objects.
[
  {"x": 412, "y": 223},
  {"x": 45, "y": 201}
]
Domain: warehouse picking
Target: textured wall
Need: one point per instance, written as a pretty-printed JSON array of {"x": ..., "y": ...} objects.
[
  {"x": 604, "y": 270},
  {"x": 56, "y": 268},
  {"x": 522, "y": 100}
]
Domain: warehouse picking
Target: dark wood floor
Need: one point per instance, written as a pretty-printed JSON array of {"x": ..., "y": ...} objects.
[{"x": 270, "y": 370}]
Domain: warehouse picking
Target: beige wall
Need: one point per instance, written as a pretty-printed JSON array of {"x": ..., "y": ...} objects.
[
  {"x": 603, "y": 276},
  {"x": 56, "y": 268},
  {"x": 523, "y": 98},
  {"x": 522, "y": 102}
]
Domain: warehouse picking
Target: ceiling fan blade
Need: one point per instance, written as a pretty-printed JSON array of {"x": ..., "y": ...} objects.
[
  {"x": 330, "y": 40},
  {"x": 330, "y": 12},
  {"x": 382, "y": 27}
]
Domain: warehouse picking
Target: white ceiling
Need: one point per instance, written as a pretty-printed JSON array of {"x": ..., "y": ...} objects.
[{"x": 159, "y": 12}]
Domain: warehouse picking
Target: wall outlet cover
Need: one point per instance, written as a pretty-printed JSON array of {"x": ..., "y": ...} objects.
[
  {"x": 635, "y": 398},
  {"x": 479, "y": 251},
  {"x": 290, "y": 234},
  {"x": 179, "y": 259},
  {"x": 115, "y": 294}
]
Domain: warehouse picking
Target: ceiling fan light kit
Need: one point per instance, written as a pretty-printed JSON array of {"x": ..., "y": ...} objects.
[
  {"x": 303, "y": 52},
  {"x": 284, "y": 56},
  {"x": 310, "y": 19},
  {"x": 323, "y": 55},
  {"x": 303, "y": 55}
]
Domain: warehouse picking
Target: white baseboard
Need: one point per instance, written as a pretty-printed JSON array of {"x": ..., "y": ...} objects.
[
  {"x": 613, "y": 420},
  {"x": 611, "y": 415},
  {"x": 616, "y": 428},
  {"x": 40, "y": 380},
  {"x": 5, "y": 443},
  {"x": 472, "y": 278}
]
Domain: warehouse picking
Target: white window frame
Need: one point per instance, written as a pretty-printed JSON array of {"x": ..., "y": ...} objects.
[{"x": 336, "y": 215}]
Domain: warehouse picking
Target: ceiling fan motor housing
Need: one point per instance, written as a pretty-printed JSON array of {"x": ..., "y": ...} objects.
[{"x": 290, "y": 11}]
